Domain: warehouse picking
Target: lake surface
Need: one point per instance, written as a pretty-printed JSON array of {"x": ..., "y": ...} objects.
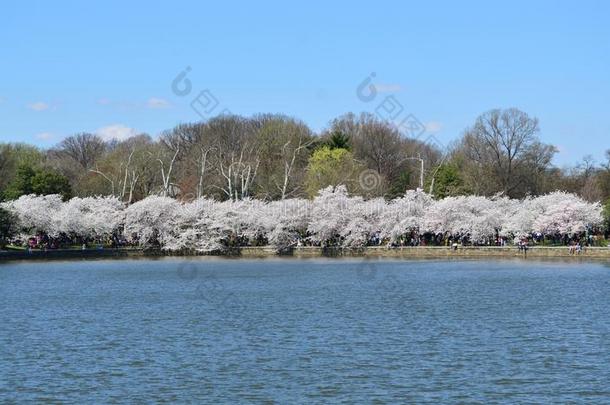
[{"x": 304, "y": 331}]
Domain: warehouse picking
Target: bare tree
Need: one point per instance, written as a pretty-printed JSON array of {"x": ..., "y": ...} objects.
[
  {"x": 202, "y": 161},
  {"x": 290, "y": 152},
  {"x": 380, "y": 146},
  {"x": 166, "y": 173},
  {"x": 502, "y": 144},
  {"x": 125, "y": 165},
  {"x": 284, "y": 147},
  {"x": 238, "y": 171},
  {"x": 236, "y": 155},
  {"x": 83, "y": 148},
  {"x": 105, "y": 177}
]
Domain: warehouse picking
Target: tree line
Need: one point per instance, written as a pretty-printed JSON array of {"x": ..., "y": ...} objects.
[
  {"x": 334, "y": 218},
  {"x": 275, "y": 157}
]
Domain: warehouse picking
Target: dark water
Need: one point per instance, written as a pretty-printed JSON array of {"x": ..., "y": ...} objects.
[{"x": 304, "y": 331}]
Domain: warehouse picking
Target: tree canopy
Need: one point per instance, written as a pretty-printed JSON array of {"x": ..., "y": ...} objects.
[
  {"x": 332, "y": 218},
  {"x": 32, "y": 180},
  {"x": 276, "y": 157}
]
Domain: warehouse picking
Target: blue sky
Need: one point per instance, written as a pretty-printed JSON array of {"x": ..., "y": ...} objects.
[{"x": 68, "y": 67}]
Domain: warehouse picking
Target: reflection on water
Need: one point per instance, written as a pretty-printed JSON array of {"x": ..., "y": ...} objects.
[{"x": 283, "y": 330}]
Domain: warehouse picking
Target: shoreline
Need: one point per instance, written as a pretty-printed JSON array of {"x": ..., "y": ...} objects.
[{"x": 406, "y": 252}]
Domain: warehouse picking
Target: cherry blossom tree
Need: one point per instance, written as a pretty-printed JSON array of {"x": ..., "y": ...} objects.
[
  {"x": 475, "y": 217},
  {"x": 36, "y": 213},
  {"x": 201, "y": 227},
  {"x": 154, "y": 221},
  {"x": 329, "y": 215},
  {"x": 90, "y": 217},
  {"x": 555, "y": 213},
  {"x": 333, "y": 218},
  {"x": 566, "y": 214},
  {"x": 341, "y": 220},
  {"x": 291, "y": 219},
  {"x": 404, "y": 214},
  {"x": 363, "y": 221}
]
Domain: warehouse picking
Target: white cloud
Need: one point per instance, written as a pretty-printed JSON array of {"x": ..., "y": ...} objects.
[
  {"x": 156, "y": 103},
  {"x": 44, "y": 136},
  {"x": 119, "y": 132},
  {"x": 433, "y": 127},
  {"x": 39, "y": 106}
]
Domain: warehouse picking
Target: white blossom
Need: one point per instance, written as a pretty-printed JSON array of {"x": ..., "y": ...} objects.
[
  {"x": 566, "y": 214},
  {"x": 289, "y": 221},
  {"x": 404, "y": 214},
  {"x": 36, "y": 213},
  {"x": 333, "y": 218},
  {"x": 90, "y": 217},
  {"x": 154, "y": 220}
]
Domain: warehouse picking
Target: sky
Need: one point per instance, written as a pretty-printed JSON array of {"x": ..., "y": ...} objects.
[{"x": 114, "y": 67}]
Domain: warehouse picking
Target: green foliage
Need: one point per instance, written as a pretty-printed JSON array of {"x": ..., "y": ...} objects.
[
  {"x": 48, "y": 182},
  {"x": 332, "y": 167},
  {"x": 31, "y": 180},
  {"x": 8, "y": 226},
  {"x": 273, "y": 152},
  {"x": 21, "y": 183},
  {"x": 447, "y": 181},
  {"x": 339, "y": 140},
  {"x": 400, "y": 185},
  {"x": 14, "y": 155}
]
